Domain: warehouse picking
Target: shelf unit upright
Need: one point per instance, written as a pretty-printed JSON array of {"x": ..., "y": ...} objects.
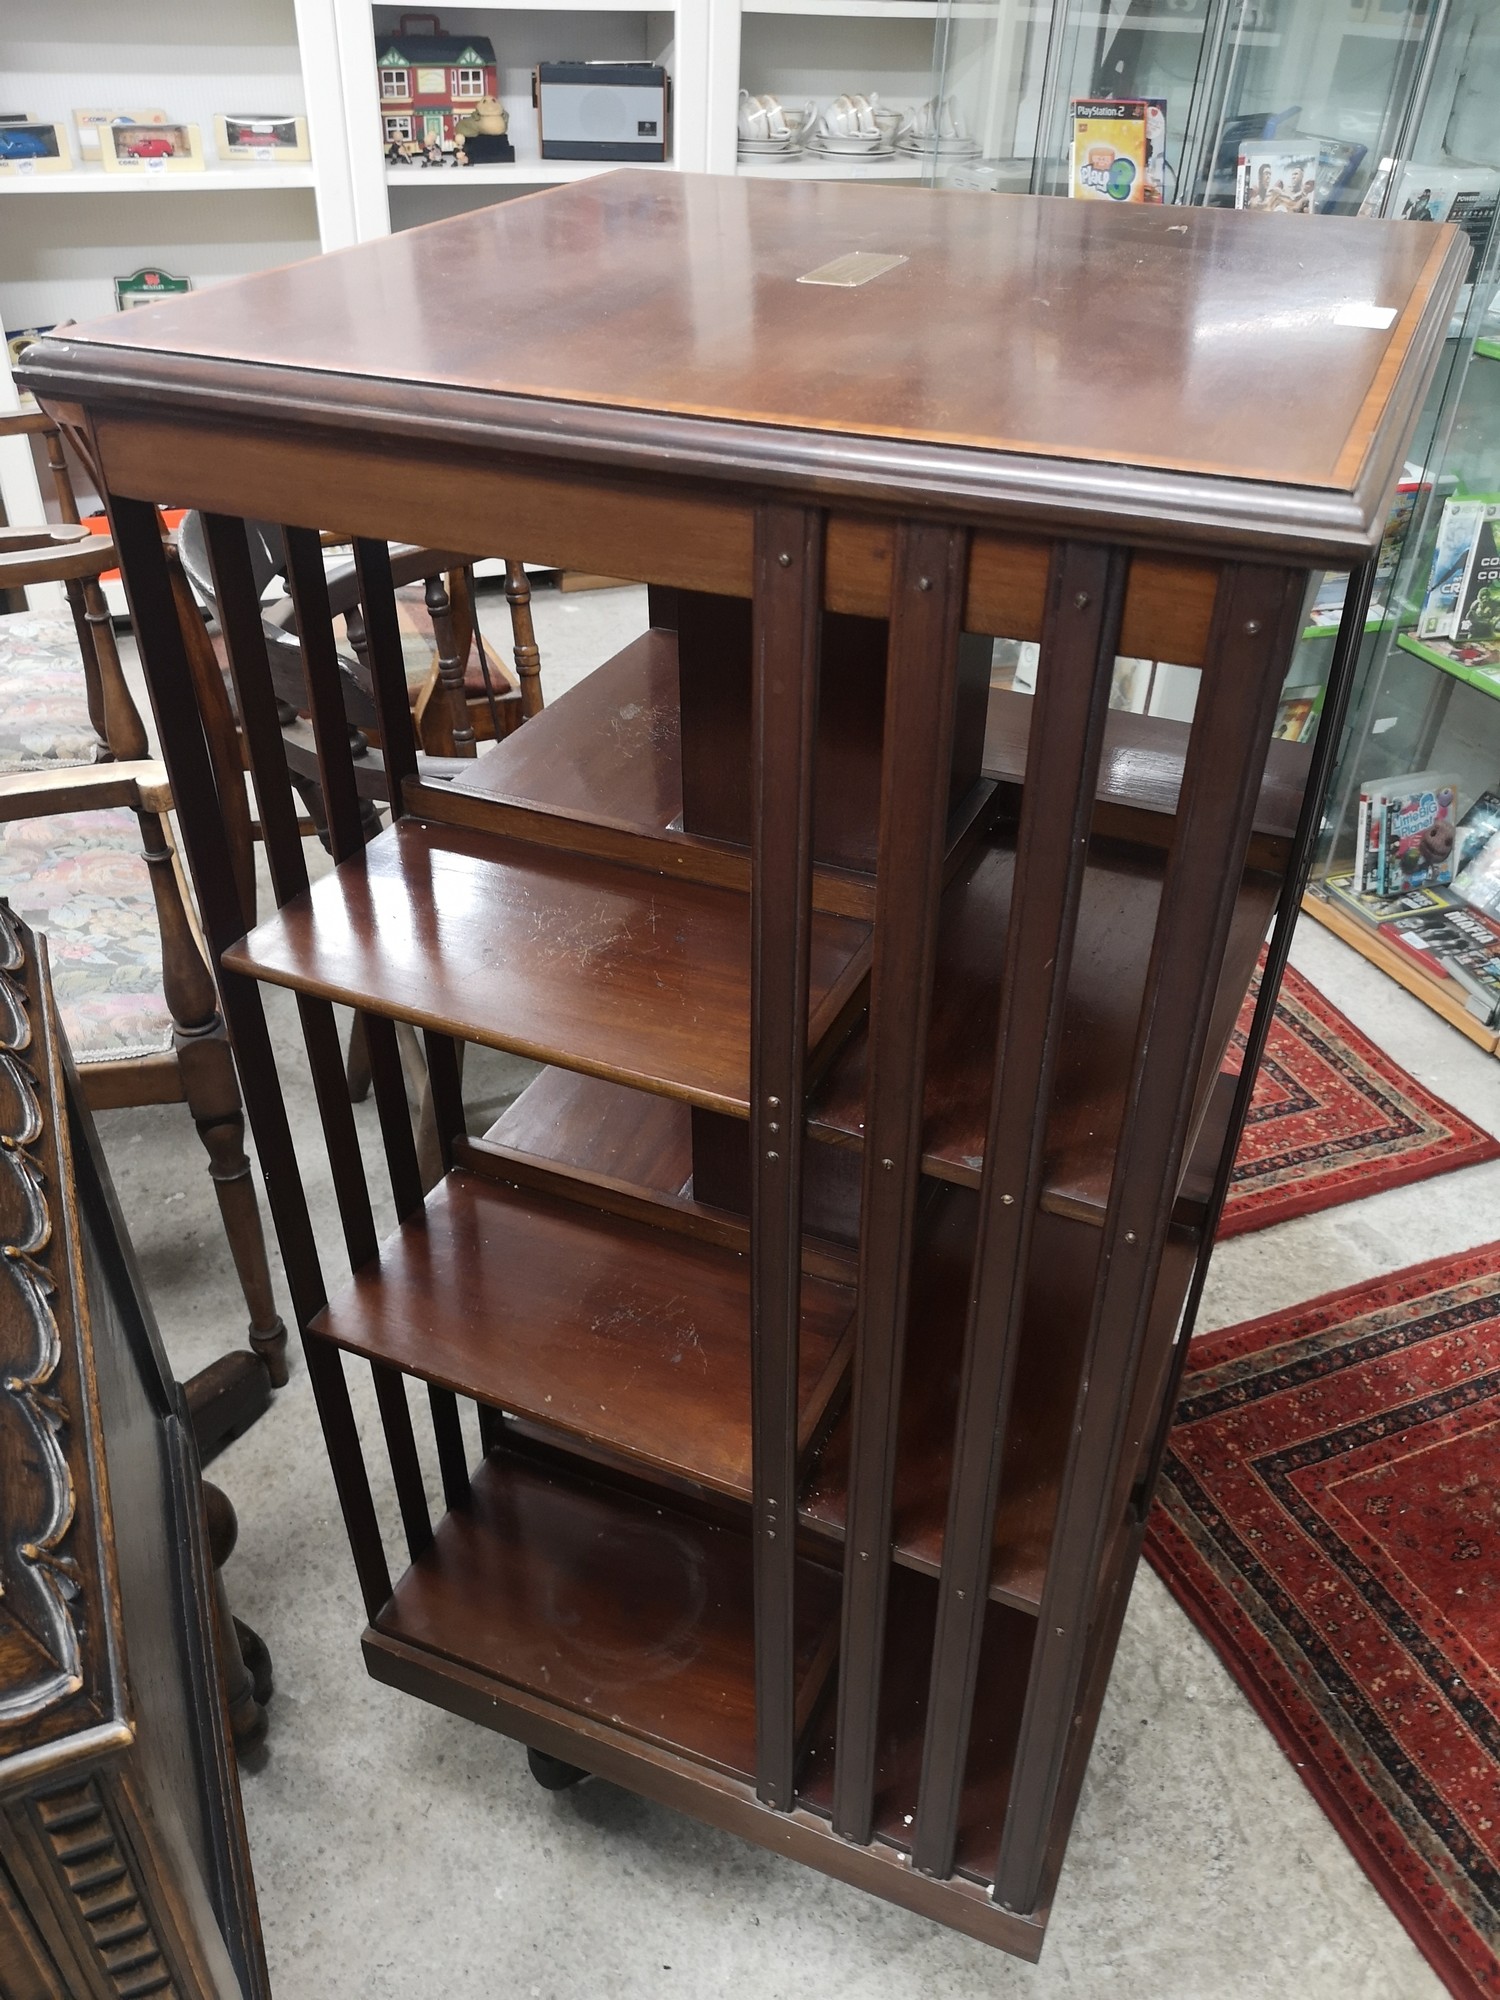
[{"x": 822, "y": 1297}]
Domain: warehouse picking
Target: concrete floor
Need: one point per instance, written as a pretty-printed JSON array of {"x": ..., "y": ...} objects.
[{"x": 400, "y": 1852}]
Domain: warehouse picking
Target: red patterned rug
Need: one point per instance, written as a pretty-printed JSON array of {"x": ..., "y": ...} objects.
[
  {"x": 1329, "y": 1515},
  {"x": 1333, "y": 1118}
]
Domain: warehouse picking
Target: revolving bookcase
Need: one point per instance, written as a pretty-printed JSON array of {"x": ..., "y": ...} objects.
[{"x": 799, "y": 1345}]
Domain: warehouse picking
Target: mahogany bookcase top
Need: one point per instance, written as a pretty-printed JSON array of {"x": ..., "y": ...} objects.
[{"x": 1243, "y": 376}]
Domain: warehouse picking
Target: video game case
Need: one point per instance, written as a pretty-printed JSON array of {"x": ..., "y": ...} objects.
[
  {"x": 1406, "y": 833},
  {"x": 1452, "y": 591},
  {"x": 1476, "y": 876},
  {"x": 1278, "y": 176},
  {"x": 1109, "y": 149},
  {"x": 1458, "y": 944},
  {"x": 1376, "y": 910}
]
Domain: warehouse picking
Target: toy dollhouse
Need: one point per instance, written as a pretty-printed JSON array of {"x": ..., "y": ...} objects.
[{"x": 430, "y": 80}]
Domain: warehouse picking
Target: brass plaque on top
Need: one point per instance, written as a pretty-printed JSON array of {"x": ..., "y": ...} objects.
[{"x": 855, "y": 267}]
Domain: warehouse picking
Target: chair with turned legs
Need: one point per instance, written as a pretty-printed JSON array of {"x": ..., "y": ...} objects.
[{"x": 86, "y": 855}]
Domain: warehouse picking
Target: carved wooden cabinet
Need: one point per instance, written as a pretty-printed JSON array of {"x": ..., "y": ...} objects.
[
  {"x": 123, "y": 1865},
  {"x": 798, "y": 1346}
]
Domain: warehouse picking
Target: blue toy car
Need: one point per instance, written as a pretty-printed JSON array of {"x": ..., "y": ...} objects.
[{"x": 23, "y": 142}]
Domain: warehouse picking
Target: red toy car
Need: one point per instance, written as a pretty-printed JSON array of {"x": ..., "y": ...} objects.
[{"x": 147, "y": 146}]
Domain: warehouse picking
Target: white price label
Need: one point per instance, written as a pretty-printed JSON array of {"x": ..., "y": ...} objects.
[{"x": 1377, "y": 317}]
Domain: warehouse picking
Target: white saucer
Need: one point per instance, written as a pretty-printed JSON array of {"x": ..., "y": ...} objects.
[
  {"x": 767, "y": 146},
  {"x": 837, "y": 143},
  {"x": 946, "y": 149},
  {"x": 770, "y": 155},
  {"x": 843, "y": 153}
]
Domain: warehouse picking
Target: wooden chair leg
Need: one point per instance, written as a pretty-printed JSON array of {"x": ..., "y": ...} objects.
[
  {"x": 247, "y": 1667},
  {"x": 212, "y": 1092},
  {"x": 523, "y": 637},
  {"x": 457, "y": 727},
  {"x": 213, "y": 1098},
  {"x": 225, "y": 1398}
]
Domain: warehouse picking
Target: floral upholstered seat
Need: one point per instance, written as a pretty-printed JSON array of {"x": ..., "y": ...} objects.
[
  {"x": 44, "y": 716},
  {"x": 83, "y": 880}
]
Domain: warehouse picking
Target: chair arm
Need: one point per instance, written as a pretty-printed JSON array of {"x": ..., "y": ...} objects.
[
  {"x": 409, "y": 564},
  {"x": 53, "y": 553},
  {"x": 25, "y": 423},
  {"x": 40, "y": 794}
]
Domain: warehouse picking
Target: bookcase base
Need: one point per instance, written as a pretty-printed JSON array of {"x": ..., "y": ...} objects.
[{"x": 703, "y": 1794}]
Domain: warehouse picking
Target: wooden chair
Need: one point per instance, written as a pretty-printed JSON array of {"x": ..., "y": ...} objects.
[
  {"x": 49, "y": 680},
  {"x": 452, "y": 673},
  {"x": 86, "y": 855},
  {"x": 453, "y": 705}
]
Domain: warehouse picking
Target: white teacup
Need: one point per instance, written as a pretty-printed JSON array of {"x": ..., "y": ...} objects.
[
  {"x": 889, "y": 123},
  {"x": 939, "y": 118},
  {"x": 761, "y": 118},
  {"x": 800, "y": 123},
  {"x": 850, "y": 117}
]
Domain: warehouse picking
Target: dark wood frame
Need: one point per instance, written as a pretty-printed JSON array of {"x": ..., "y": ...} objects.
[
  {"x": 936, "y": 541},
  {"x": 124, "y": 1865}
]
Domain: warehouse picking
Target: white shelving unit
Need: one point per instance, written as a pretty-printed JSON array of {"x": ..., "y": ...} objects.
[{"x": 69, "y": 235}]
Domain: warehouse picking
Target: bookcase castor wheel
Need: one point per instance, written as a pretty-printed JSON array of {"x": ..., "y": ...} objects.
[{"x": 551, "y": 1773}]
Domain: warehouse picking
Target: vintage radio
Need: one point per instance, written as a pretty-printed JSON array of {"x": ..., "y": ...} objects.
[{"x": 601, "y": 110}]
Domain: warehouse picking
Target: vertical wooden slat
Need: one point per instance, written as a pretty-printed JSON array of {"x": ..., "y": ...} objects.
[
  {"x": 309, "y": 587},
  {"x": 308, "y": 583},
  {"x": 238, "y": 605},
  {"x": 398, "y": 743},
  {"x": 787, "y": 620},
  {"x": 219, "y": 732},
  {"x": 245, "y": 644},
  {"x": 921, "y": 679},
  {"x": 1336, "y": 697},
  {"x": 1254, "y": 626},
  {"x": 1085, "y": 601},
  {"x": 137, "y": 536}
]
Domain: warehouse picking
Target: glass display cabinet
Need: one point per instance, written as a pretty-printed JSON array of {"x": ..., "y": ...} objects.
[
  {"x": 1427, "y": 704},
  {"x": 1388, "y": 105},
  {"x": 1391, "y": 97}
]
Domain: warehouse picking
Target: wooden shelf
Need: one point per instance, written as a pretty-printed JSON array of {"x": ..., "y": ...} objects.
[
  {"x": 609, "y": 750},
  {"x": 634, "y": 1614},
  {"x": 1121, "y": 887},
  {"x": 589, "y": 1124},
  {"x": 1060, "y": 1281},
  {"x": 212, "y": 180},
  {"x": 1004, "y": 1661},
  {"x": 634, "y": 1339},
  {"x": 1056, "y": 1309},
  {"x": 533, "y": 172},
  {"x": 582, "y": 1123},
  {"x": 1440, "y": 995},
  {"x": 1142, "y": 762},
  {"x": 602, "y": 1128},
  {"x": 590, "y": 964}
]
